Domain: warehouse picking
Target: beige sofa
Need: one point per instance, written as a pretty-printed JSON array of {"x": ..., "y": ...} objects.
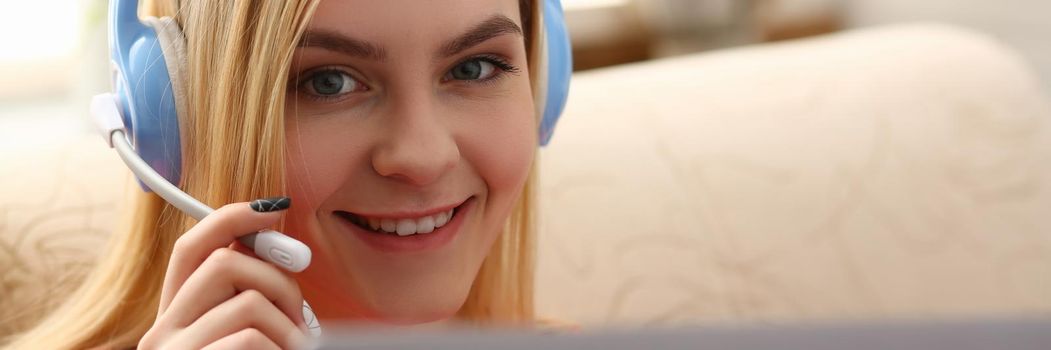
[{"x": 903, "y": 171}]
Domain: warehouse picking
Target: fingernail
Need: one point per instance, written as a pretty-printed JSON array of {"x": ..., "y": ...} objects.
[{"x": 266, "y": 205}]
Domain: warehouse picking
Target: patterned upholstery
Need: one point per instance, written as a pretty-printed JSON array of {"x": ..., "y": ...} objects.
[{"x": 892, "y": 172}]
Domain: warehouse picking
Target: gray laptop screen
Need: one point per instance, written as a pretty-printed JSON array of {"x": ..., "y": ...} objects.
[{"x": 903, "y": 335}]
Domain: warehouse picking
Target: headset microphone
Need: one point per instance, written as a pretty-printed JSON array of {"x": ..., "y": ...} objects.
[{"x": 270, "y": 245}]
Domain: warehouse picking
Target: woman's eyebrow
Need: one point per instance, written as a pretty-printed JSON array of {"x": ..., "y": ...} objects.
[
  {"x": 493, "y": 27},
  {"x": 334, "y": 41}
]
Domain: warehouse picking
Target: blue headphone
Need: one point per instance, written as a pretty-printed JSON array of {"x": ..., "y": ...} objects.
[{"x": 148, "y": 89}]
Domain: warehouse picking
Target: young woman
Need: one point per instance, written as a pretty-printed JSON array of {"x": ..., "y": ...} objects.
[{"x": 403, "y": 133}]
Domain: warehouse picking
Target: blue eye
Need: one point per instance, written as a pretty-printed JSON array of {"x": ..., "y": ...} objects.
[
  {"x": 479, "y": 69},
  {"x": 475, "y": 69},
  {"x": 330, "y": 83}
]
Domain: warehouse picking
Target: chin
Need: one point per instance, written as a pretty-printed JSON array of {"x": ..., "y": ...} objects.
[{"x": 413, "y": 312}]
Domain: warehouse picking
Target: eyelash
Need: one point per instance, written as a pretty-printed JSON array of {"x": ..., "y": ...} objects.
[
  {"x": 497, "y": 61},
  {"x": 501, "y": 63},
  {"x": 299, "y": 88}
]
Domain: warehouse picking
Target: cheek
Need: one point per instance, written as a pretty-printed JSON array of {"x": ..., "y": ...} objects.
[
  {"x": 314, "y": 169},
  {"x": 501, "y": 148}
]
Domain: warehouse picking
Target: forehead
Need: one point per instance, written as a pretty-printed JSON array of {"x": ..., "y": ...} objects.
[{"x": 390, "y": 22}]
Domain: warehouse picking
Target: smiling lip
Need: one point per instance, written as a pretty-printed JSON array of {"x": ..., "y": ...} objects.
[
  {"x": 391, "y": 243},
  {"x": 409, "y": 214}
]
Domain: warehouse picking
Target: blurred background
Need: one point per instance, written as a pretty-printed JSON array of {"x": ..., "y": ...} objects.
[{"x": 612, "y": 31}]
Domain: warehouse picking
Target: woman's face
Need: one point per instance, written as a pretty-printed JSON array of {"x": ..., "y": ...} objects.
[{"x": 398, "y": 113}]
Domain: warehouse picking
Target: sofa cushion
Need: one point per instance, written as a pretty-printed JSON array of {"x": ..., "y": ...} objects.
[{"x": 902, "y": 171}]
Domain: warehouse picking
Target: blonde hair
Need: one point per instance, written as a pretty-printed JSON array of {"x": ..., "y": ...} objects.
[{"x": 232, "y": 133}]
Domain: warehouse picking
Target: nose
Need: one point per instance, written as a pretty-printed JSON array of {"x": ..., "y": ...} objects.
[{"x": 417, "y": 147}]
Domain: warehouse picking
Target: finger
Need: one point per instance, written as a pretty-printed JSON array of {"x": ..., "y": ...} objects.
[
  {"x": 215, "y": 231},
  {"x": 249, "y": 309},
  {"x": 249, "y": 338},
  {"x": 243, "y": 249},
  {"x": 222, "y": 276}
]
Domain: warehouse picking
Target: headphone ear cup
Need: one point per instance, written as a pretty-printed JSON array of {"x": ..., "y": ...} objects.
[
  {"x": 148, "y": 54},
  {"x": 558, "y": 68}
]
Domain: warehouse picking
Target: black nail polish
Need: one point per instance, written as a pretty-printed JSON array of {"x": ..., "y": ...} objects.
[{"x": 265, "y": 205}]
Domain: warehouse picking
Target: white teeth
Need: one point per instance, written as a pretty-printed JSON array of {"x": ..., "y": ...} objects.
[
  {"x": 425, "y": 224},
  {"x": 389, "y": 225},
  {"x": 441, "y": 219},
  {"x": 406, "y": 227}
]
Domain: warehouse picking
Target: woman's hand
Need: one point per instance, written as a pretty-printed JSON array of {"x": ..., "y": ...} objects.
[{"x": 218, "y": 295}]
